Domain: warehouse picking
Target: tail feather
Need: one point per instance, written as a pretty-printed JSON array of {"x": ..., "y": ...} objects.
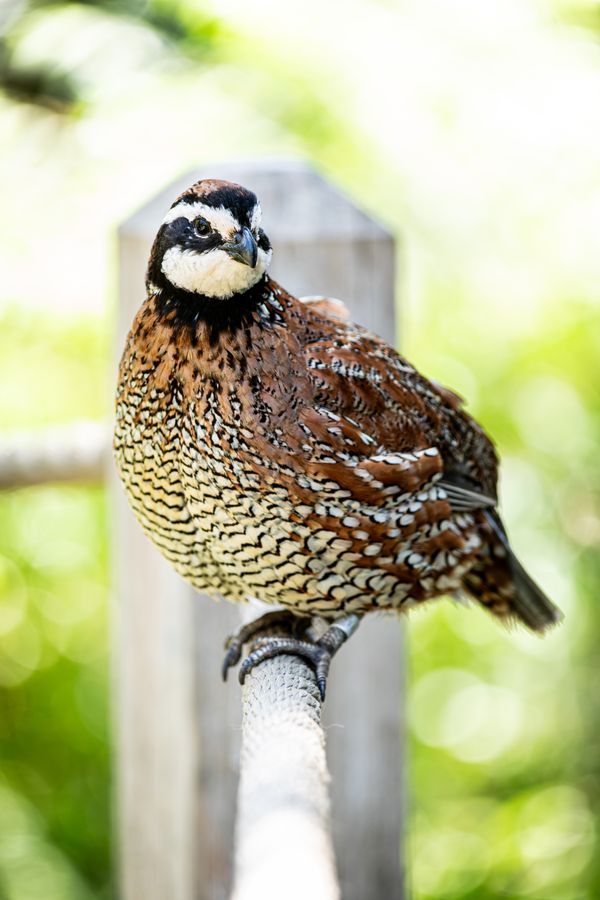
[
  {"x": 530, "y": 603},
  {"x": 519, "y": 595}
]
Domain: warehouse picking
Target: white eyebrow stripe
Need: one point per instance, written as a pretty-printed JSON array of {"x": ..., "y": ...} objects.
[
  {"x": 256, "y": 217},
  {"x": 220, "y": 218}
]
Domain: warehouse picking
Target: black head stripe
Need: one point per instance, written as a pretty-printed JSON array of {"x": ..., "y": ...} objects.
[
  {"x": 263, "y": 241},
  {"x": 181, "y": 232},
  {"x": 178, "y": 233},
  {"x": 238, "y": 200},
  {"x": 187, "y": 198}
]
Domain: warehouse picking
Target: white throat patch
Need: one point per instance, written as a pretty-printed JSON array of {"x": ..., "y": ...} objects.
[{"x": 214, "y": 273}]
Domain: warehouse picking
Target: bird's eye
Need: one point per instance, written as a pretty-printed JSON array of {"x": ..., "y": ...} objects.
[{"x": 201, "y": 226}]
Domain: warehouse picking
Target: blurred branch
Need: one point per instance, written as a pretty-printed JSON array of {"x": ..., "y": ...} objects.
[
  {"x": 78, "y": 452},
  {"x": 190, "y": 31},
  {"x": 42, "y": 85}
]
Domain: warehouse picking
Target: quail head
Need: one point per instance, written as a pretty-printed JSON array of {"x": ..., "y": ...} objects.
[{"x": 271, "y": 448}]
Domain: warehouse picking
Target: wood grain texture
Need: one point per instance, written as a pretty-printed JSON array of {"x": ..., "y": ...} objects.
[{"x": 178, "y": 725}]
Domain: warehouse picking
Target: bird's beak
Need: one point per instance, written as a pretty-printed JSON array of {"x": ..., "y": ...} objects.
[{"x": 243, "y": 248}]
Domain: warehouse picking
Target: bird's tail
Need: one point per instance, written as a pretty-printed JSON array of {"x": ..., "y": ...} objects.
[{"x": 499, "y": 582}]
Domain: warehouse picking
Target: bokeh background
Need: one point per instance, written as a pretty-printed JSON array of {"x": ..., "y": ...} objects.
[{"x": 472, "y": 128}]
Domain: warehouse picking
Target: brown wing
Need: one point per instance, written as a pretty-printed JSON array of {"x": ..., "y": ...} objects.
[
  {"x": 358, "y": 376},
  {"x": 419, "y": 465}
]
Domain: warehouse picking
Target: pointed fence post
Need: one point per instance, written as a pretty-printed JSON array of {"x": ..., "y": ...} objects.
[{"x": 178, "y": 725}]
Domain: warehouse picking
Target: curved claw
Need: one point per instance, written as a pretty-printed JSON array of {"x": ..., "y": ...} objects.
[
  {"x": 232, "y": 657},
  {"x": 322, "y": 670}
]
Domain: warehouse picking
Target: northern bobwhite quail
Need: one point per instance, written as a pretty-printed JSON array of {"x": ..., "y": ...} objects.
[{"x": 270, "y": 448}]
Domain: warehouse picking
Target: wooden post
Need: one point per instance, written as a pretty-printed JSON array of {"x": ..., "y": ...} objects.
[{"x": 178, "y": 725}]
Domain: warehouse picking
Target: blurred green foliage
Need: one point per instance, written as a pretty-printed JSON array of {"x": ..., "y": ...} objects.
[
  {"x": 473, "y": 130},
  {"x": 54, "y": 734}
]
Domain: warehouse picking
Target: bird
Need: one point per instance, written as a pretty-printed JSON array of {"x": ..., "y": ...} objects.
[{"x": 272, "y": 448}]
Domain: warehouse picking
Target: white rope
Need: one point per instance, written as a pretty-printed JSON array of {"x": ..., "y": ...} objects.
[{"x": 283, "y": 839}]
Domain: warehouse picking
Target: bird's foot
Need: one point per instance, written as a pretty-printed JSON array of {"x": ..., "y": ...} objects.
[
  {"x": 255, "y": 631},
  {"x": 318, "y": 651}
]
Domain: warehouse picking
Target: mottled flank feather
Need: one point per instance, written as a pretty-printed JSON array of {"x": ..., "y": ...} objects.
[{"x": 285, "y": 453}]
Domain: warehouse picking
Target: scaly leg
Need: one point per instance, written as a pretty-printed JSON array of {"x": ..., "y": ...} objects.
[{"x": 319, "y": 652}]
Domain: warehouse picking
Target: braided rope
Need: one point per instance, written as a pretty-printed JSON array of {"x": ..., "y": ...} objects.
[{"x": 283, "y": 840}]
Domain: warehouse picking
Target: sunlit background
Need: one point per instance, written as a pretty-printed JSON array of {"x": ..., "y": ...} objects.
[{"x": 472, "y": 128}]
